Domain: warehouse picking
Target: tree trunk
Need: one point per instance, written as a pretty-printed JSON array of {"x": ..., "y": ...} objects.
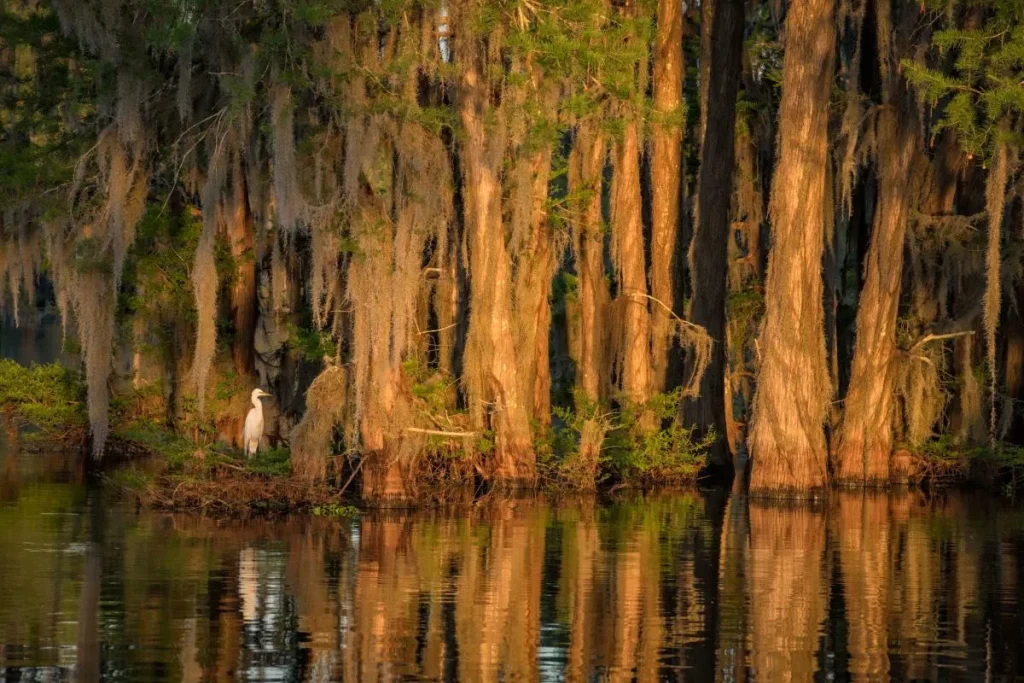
[
  {"x": 866, "y": 435},
  {"x": 666, "y": 176},
  {"x": 924, "y": 399},
  {"x": 591, "y": 355},
  {"x": 707, "y": 20},
  {"x": 633, "y": 348},
  {"x": 533, "y": 285},
  {"x": 709, "y": 250},
  {"x": 243, "y": 289},
  {"x": 589, "y": 329},
  {"x": 384, "y": 483},
  {"x": 495, "y": 397},
  {"x": 787, "y": 439},
  {"x": 1013, "y": 371}
]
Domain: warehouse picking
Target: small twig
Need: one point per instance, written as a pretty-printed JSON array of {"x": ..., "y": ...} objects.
[{"x": 440, "y": 329}]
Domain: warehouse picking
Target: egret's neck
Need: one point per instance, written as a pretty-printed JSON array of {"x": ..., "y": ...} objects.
[{"x": 257, "y": 405}]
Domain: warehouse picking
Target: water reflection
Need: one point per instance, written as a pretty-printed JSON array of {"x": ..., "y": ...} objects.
[{"x": 863, "y": 587}]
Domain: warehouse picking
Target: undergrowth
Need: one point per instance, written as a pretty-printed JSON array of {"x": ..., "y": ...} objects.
[
  {"x": 946, "y": 460},
  {"x": 640, "y": 445},
  {"x": 47, "y": 399}
]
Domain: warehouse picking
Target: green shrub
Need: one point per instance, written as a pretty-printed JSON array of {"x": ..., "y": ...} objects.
[
  {"x": 644, "y": 444},
  {"x": 49, "y": 398},
  {"x": 647, "y": 445}
]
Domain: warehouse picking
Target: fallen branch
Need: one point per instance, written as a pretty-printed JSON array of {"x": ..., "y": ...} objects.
[
  {"x": 937, "y": 337},
  {"x": 438, "y": 432},
  {"x": 672, "y": 313}
]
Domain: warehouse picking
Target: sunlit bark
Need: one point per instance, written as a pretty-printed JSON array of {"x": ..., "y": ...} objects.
[
  {"x": 239, "y": 226},
  {"x": 532, "y": 289},
  {"x": 787, "y": 439},
  {"x": 497, "y": 400},
  {"x": 866, "y": 438},
  {"x": 589, "y": 327},
  {"x": 633, "y": 348},
  {"x": 666, "y": 176}
]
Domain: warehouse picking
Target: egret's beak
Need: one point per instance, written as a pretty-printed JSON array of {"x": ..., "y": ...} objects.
[{"x": 265, "y": 394}]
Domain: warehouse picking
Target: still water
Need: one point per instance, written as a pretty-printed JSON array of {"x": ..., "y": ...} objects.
[{"x": 667, "y": 587}]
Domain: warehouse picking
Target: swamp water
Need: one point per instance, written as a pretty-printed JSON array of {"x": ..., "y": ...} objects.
[{"x": 666, "y": 587}]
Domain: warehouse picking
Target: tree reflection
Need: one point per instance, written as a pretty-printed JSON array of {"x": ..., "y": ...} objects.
[{"x": 866, "y": 586}]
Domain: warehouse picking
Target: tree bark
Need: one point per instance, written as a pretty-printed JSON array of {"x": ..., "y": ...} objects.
[
  {"x": 628, "y": 252},
  {"x": 496, "y": 399},
  {"x": 591, "y": 354},
  {"x": 707, "y": 20},
  {"x": 1013, "y": 371},
  {"x": 866, "y": 434},
  {"x": 243, "y": 288},
  {"x": 533, "y": 287},
  {"x": 709, "y": 250},
  {"x": 589, "y": 329},
  {"x": 787, "y": 439},
  {"x": 666, "y": 177}
]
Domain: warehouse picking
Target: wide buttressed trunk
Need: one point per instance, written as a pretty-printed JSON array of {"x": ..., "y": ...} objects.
[
  {"x": 496, "y": 399},
  {"x": 866, "y": 435},
  {"x": 398, "y": 181},
  {"x": 666, "y": 176},
  {"x": 709, "y": 250},
  {"x": 787, "y": 439}
]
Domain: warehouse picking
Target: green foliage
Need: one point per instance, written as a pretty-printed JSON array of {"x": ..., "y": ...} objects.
[
  {"x": 948, "y": 449},
  {"x": 157, "y": 276},
  {"x": 984, "y": 84},
  {"x": 644, "y": 443},
  {"x": 50, "y": 398},
  {"x": 130, "y": 479},
  {"x": 182, "y": 456},
  {"x": 47, "y": 105},
  {"x": 310, "y": 343},
  {"x": 641, "y": 448},
  {"x": 275, "y": 462},
  {"x": 433, "y": 388},
  {"x": 178, "y": 452}
]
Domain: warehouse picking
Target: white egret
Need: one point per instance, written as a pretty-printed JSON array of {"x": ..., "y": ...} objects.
[{"x": 253, "y": 431}]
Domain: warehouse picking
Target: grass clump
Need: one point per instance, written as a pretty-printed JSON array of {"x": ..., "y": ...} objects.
[
  {"x": 177, "y": 451},
  {"x": 275, "y": 462}
]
